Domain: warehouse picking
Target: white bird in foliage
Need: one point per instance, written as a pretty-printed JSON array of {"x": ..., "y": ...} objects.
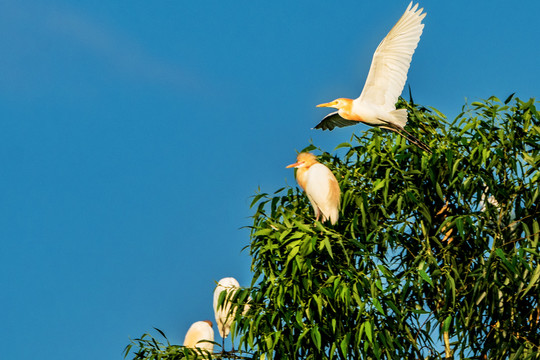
[
  {"x": 199, "y": 335},
  {"x": 376, "y": 105},
  {"x": 320, "y": 186},
  {"x": 224, "y": 314}
]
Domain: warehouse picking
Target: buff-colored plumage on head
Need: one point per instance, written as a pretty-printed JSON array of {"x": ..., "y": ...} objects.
[
  {"x": 344, "y": 107},
  {"x": 303, "y": 162},
  {"x": 376, "y": 105}
]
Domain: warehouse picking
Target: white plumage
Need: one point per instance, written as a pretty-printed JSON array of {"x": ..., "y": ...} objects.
[
  {"x": 224, "y": 315},
  {"x": 376, "y": 105},
  {"x": 198, "y": 331},
  {"x": 321, "y": 186},
  {"x": 388, "y": 71}
]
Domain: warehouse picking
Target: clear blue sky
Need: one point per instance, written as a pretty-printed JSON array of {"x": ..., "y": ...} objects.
[{"x": 133, "y": 133}]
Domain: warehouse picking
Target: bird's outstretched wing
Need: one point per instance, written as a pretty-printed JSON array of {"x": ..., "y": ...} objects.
[
  {"x": 391, "y": 61},
  {"x": 332, "y": 120}
]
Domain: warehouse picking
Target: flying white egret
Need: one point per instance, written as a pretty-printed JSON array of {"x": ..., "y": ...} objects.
[
  {"x": 320, "y": 186},
  {"x": 376, "y": 105},
  {"x": 199, "y": 334},
  {"x": 224, "y": 314}
]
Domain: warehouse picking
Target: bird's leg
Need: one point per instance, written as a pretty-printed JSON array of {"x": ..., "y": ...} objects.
[
  {"x": 317, "y": 211},
  {"x": 407, "y": 135},
  {"x": 417, "y": 141}
]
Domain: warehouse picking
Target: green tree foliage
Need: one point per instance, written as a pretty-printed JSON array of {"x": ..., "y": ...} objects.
[{"x": 434, "y": 255}]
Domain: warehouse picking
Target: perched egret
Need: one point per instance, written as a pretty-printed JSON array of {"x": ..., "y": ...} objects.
[
  {"x": 224, "y": 316},
  {"x": 320, "y": 186},
  {"x": 199, "y": 334},
  {"x": 376, "y": 105}
]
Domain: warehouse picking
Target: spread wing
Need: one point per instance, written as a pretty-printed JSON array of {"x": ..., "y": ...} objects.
[
  {"x": 332, "y": 120},
  {"x": 391, "y": 61}
]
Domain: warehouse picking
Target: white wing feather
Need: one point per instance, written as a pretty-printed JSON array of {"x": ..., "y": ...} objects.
[
  {"x": 391, "y": 61},
  {"x": 321, "y": 188}
]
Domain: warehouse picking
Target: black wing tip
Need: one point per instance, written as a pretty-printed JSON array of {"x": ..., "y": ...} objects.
[
  {"x": 333, "y": 120},
  {"x": 322, "y": 126}
]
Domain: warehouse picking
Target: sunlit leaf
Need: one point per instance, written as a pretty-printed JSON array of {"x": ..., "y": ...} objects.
[
  {"x": 429, "y": 256},
  {"x": 425, "y": 276}
]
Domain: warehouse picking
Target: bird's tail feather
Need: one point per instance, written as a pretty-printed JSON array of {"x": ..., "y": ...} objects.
[{"x": 400, "y": 117}]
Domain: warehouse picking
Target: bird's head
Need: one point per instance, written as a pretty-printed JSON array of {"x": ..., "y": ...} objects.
[
  {"x": 304, "y": 159},
  {"x": 208, "y": 322},
  {"x": 337, "y": 104},
  {"x": 229, "y": 282}
]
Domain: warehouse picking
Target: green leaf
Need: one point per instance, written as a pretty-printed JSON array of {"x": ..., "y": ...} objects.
[
  {"x": 328, "y": 246},
  {"x": 367, "y": 328},
  {"x": 533, "y": 282},
  {"x": 439, "y": 191},
  {"x": 509, "y": 98},
  {"x": 447, "y": 323},
  {"x": 425, "y": 276},
  {"x": 161, "y": 332},
  {"x": 318, "y": 301},
  {"x": 344, "y": 345},
  {"x": 256, "y": 198},
  {"x": 343, "y": 145},
  {"x": 316, "y": 337},
  {"x": 378, "y": 306},
  {"x": 380, "y": 283},
  {"x": 500, "y": 253},
  {"x": 379, "y": 184},
  {"x": 292, "y": 253},
  {"x": 127, "y": 349},
  {"x": 263, "y": 232}
]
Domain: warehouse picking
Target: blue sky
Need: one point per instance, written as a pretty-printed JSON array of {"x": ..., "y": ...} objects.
[{"x": 133, "y": 134}]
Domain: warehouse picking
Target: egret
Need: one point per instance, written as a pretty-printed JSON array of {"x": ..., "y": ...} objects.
[
  {"x": 224, "y": 316},
  {"x": 199, "y": 335},
  {"x": 320, "y": 186},
  {"x": 376, "y": 105}
]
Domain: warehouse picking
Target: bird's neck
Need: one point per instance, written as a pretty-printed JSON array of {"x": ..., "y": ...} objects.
[
  {"x": 301, "y": 177},
  {"x": 345, "y": 111}
]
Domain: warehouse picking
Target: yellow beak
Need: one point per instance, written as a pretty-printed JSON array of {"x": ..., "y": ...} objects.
[
  {"x": 298, "y": 163},
  {"x": 327, "y": 104}
]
